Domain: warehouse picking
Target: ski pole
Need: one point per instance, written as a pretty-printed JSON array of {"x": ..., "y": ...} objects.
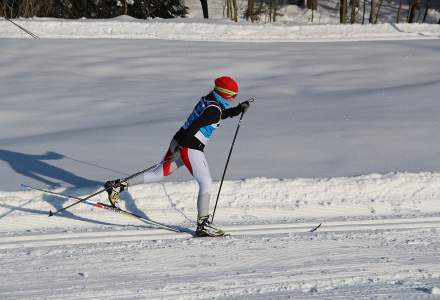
[
  {"x": 24, "y": 29},
  {"x": 105, "y": 206},
  {"x": 102, "y": 190},
  {"x": 227, "y": 161}
]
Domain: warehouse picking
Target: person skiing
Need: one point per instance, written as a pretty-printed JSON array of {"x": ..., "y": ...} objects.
[{"x": 187, "y": 146}]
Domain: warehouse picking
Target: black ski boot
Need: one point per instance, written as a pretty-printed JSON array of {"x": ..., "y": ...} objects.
[
  {"x": 113, "y": 188},
  {"x": 205, "y": 229}
]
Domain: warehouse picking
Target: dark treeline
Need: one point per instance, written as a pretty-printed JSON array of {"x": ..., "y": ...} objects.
[
  {"x": 350, "y": 11},
  {"x": 72, "y": 9}
]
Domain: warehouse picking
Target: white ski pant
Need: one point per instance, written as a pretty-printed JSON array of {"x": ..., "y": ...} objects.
[{"x": 195, "y": 162}]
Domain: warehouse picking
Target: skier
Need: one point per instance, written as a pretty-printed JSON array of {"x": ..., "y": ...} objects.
[{"x": 187, "y": 146}]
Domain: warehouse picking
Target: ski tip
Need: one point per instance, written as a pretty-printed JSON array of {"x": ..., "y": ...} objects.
[
  {"x": 50, "y": 213},
  {"x": 24, "y": 186}
]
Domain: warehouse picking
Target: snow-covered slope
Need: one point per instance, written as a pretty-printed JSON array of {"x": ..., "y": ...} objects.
[
  {"x": 106, "y": 107},
  {"x": 213, "y": 30}
]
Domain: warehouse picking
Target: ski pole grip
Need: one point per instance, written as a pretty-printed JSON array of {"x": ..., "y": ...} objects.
[{"x": 250, "y": 100}]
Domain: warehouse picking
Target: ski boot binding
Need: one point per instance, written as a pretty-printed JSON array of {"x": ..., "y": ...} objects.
[
  {"x": 113, "y": 188},
  {"x": 204, "y": 229}
]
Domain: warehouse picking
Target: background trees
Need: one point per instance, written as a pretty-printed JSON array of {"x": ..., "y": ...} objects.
[
  {"x": 263, "y": 11},
  {"x": 204, "y": 4},
  {"x": 93, "y": 8}
]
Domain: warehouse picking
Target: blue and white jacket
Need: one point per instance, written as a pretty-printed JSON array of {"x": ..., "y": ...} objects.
[{"x": 204, "y": 120}]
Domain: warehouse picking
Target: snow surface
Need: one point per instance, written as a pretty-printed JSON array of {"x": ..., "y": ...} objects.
[
  {"x": 342, "y": 133},
  {"x": 105, "y": 107},
  {"x": 125, "y": 27},
  {"x": 379, "y": 238}
]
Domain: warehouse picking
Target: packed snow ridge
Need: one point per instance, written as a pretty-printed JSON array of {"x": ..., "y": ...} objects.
[
  {"x": 213, "y": 30},
  {"x": 272, "y": 200}
]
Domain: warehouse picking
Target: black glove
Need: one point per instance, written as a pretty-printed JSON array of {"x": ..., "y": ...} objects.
[
  {"x": 174, "y": 146},
  {"x": 244, "y": 106},
  {"x": 175, "y": 149}
]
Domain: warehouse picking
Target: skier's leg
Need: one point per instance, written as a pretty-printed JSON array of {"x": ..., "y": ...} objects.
[
  {"x": 166, "y": 168},
  {"x": 196, "y": 163},
  {"x": 171, "y": 162}
]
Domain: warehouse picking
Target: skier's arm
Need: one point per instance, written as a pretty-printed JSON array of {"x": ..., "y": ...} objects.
[
  {"x": 235, "y": 111},
  {"x": 210, "y": 116}
]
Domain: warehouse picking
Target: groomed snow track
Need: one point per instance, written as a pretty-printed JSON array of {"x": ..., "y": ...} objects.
[
  {"x": 148, "y": 234},
  {"x": 342, "y": 260},
  {"x": 375, "y": 241}
]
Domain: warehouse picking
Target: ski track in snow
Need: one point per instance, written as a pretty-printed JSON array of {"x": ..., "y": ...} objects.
[
  {"x": 333, "y": 264},
  {"x": 93, "y": 253}
]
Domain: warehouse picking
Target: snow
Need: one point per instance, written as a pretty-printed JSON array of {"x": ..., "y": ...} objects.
[
  {"x": 342, "y": 133},
  {"x": 78, "y": 112},
  {"x": 435, "y": 291},
  {"x": 264, "y": 200},
  {"x": 213, "y": 30}
]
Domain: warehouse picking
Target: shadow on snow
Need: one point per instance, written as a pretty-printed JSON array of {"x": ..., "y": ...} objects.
[{"x": 35, "y": 167}]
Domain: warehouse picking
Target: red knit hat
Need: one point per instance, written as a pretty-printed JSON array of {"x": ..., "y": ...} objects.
[{"x": 226, "y": 87}]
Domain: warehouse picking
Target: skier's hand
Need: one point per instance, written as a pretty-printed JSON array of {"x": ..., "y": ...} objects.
[
  {"x": 175, "y": 146},
  {"x": 175, "y": 149},
  {"x": 176, "y": 154},
  {"x": 244, "y": 106}
]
